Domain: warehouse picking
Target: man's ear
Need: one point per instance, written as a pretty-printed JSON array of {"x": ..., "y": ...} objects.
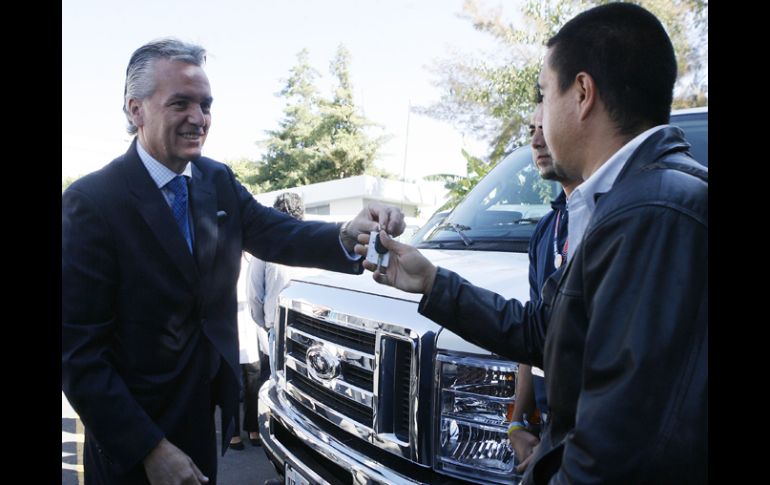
[
  {"x": 136, "y": 111},
  {"x": 586, "y": 93}
]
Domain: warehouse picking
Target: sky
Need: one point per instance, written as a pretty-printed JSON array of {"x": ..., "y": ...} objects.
[{"x": 252, "y": 45}]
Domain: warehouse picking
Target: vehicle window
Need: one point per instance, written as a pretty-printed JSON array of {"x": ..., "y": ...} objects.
[
  {"x": 503, "y": 207},
  {"x": 434, "y": 221},
  {"x": 501, "y": 212},
  {"x": 696, "y": 130}
]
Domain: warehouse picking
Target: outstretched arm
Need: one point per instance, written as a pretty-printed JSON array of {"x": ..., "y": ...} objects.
[{"x": 506, "y": 327}]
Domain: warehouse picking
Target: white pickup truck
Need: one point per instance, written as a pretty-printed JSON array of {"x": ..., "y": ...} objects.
[{"x": 364, "y": 390}]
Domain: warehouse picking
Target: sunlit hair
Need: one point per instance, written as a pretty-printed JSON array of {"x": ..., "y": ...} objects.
[
  {"x": 139, "y": 79},
  {"x": 290, "y": 203}
]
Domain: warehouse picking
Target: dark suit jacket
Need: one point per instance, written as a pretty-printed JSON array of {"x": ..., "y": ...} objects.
[{"x": 144, "y": 322}]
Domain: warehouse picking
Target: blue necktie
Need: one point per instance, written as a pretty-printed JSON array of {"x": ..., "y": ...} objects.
[{"x": 178, "y": 185}]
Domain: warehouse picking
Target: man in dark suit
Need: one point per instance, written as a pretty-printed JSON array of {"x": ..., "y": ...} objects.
[
  {"x": 622, "y": 330},
  {"x": 151, "y": 249}
]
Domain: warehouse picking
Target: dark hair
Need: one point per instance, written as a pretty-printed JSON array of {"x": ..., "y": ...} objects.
[
  {"x": 140, "y": 83},
  {"x": 290, "y": 203},
  {"x": 627, "y": 52}
]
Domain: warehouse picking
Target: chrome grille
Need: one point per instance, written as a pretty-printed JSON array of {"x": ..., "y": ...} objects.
[
  {"x": 358, "y": 377},
  {"x": 401, "y": 390},
  {"x": 370, "y": 394},
  {"x": 352, "y": 374},
  {"x": 350, "y": 394},
  {"x": 362, "y": 414},
  {"x": 355, "y": 339}
]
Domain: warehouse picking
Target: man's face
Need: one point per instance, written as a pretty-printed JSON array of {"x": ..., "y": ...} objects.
[
  {"x": 174, "y": 121},
  {"x": 559, "y": 117},
  {"x": 540, "y": 153}
]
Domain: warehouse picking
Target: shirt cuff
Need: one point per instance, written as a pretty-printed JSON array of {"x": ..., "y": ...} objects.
[{"x": 351, "y": 257}]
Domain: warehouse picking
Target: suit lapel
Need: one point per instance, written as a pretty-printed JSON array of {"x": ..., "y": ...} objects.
[
  {"x": 204, "y": 209},
  {"x": 156, "y": 212}
]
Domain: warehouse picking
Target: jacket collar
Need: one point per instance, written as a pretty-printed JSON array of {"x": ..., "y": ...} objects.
[
  {"x": 560, "y": 202},
  {"x": 667, "y": 140},
  {"x": 204, "y": 210},
  {"x": 155, "y": 211}
]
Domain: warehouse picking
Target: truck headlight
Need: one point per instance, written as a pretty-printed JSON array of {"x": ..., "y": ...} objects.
[{"x": 476, "y": 399}]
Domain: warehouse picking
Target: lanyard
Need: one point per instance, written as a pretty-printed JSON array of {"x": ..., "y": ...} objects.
[{"x": 558, "y": 257}]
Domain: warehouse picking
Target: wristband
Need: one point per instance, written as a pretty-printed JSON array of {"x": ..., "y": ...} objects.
[
  {"x": 516, "y": 425},
  {"x": 346, "y": 237}
]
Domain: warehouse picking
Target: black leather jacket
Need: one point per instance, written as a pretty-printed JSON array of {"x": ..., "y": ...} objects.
[{"x": 623, "y": 331}]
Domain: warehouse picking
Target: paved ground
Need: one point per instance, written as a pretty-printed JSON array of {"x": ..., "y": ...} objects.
[{"x": 247, "y": 467}]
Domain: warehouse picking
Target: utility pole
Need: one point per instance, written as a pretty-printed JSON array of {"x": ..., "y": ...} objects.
[{"x": 406, "y": 150}]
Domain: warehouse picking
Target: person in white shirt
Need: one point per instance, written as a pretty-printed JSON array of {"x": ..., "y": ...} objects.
[
  {"x": 250, "y": 366},
  {"x": 265, "y": 281}
]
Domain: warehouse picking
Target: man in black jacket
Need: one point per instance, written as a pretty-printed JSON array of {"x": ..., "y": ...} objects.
[{"x": 622, "y": 331}]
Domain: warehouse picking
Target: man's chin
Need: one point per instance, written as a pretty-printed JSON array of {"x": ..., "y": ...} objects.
[
  {"x": 549, "y": 174},
  {"x": 193, "y": 154}
]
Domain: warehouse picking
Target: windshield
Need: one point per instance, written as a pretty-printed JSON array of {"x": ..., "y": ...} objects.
[
  {"x": 501, "y": 212},
  {"x": 435, "y": 220}
]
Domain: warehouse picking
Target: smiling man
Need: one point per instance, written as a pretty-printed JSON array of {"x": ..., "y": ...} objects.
[
  {"x": 173, "y": 122},
  {"x": 151, "y": 250}
]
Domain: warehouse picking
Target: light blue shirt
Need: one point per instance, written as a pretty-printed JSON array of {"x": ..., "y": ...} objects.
[
  {"x": 581, "y": 203},
  {"x": 162, "y": 175}
]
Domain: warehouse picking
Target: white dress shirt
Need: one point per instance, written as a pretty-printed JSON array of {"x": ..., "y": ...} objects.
[{"x": 581, "y": 203}]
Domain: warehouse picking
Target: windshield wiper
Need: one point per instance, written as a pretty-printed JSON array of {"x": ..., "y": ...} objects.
[
  {"x": 531, "y": 220},
  {"x": 458, "y": 228}
]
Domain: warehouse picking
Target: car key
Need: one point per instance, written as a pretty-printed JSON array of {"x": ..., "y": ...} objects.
[
  {"x": 380, "y": 250},
  {"x": 376, "y": 253}
]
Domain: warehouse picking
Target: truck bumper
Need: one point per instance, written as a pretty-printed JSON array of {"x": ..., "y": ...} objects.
[{"x": 289, "y": 438}]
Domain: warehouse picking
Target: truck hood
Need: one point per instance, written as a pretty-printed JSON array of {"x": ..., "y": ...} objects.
[{"x": 504, "y": 273}]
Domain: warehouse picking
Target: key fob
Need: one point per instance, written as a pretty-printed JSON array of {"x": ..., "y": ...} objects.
[{"x": 376, "y": 249}]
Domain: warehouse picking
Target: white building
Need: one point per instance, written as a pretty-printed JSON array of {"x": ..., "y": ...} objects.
[{"x": 345, "y": 197}]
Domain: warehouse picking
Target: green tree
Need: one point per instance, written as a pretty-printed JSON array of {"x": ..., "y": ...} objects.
[
  {"x": 459, "y": 186},
  {"x": 492, "y": 95},
  {"x": 319, "y": 139},
  {"x": 247, "y": 173},
  {"x": 292, "y": 149},
  {"x": 345, "y": 149}
]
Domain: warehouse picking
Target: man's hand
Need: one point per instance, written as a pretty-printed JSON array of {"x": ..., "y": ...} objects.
[
  {"x": 168, "y": 465},
  {"x": 407, "y": 269},
  {"x": 374, "y": 217},
  {"x": 524, "y": 445}
]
